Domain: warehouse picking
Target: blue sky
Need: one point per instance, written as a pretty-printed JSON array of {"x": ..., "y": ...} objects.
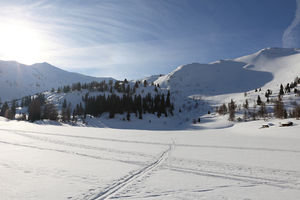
[{"x": 136, "y": 38}]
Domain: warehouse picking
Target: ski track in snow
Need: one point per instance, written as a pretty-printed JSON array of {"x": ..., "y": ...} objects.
[
  {"x": 82, "y": 146},
  {"x": 125, "y": 181},
  {"x": 243, "y": 175},
  {"x": 72, "y": 153},
  {"x": 159, "y": 143},
  {"x": 241, "y": 178}
]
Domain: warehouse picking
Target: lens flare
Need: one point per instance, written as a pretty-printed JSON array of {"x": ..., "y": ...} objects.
[{"x": 20, "y": 42}]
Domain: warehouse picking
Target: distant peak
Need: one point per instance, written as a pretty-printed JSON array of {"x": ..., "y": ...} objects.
[
  {"x": 42, "y": 63},
  {"x": 278, "y": 51}
]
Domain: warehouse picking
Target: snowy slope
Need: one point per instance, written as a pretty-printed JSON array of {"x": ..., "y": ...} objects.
[
  {"x": 150, "y": 79},
  {"x": 220, "y": 77},
  {"x": 284, "y": 64},
  {"x": 18, "y": 80},
  {"x": 270, "y": 66},
  {"x": 218, "y": 82}
]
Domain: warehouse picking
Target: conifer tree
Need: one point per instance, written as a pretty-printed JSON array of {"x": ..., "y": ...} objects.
[
  {"x": 64, "y": 105},
  {"x": 13, "y": 108},
  {"x": 258, "y": 100},
  {"x": 8, "y": 114},
  {"x": 246, "y": 104},
  {"x": 3, "y": 109},
  {"x": 128, "y": 116},
  {"x": 66, "y": 113},
  {"x": 279, "y": 108},
  {"x": 262, "y": 111},
  {"x": 50, "y": 112},
  {"x": 281, "y": 92},
  {"x": 231, "y": 109},
  {"x": 168, "y": 102},
  {"x": 287, "y": 88},
  {"x": 34, "y": 110},
  {"x": 222, "y": 110}
]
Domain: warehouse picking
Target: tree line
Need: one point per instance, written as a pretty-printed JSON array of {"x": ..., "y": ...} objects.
[
  {"x": 125, "y": 102},
  {"x": 138, "y": 105}
]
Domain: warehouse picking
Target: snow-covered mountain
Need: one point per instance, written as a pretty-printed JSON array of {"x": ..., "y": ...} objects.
[
  {"x": 18, "y": 80},
  {"x": 282, "y": 63},
  {"x": 268, "y": 67},
  {"x": 196, "y": 89}
]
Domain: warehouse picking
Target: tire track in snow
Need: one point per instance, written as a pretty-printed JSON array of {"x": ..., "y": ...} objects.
[
  {"x": 115, "y": 188},
  {"x": 159, "y": 143}
]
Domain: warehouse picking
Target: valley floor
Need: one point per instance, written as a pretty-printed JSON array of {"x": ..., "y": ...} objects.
[{"x": 64, "y": 162}]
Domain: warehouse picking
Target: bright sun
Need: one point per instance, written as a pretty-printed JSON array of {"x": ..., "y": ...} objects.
[{"x": 20, "y": 43}]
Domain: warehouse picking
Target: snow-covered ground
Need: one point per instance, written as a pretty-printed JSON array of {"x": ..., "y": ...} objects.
[{"x": 67, "y": 162}]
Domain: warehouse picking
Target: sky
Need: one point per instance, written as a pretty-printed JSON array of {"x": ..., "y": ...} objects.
[{"x": 136, "y": 38}]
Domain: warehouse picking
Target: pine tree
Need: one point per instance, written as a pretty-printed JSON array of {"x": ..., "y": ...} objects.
[
  {"x": 222, "y": 110},
  {"x": 3, "y": 109},
  {"x": 296, "y": 111},
  {"x": 168, "y": 102},
  {"x": 287, "y": 88},
  {"x": 50, "y": 112},
  {"x": 246, "y": 104},
  {"x": 136, "y": 85},
  {"x": 231, "y": 109},
  {"x": 140, "y": 114},
  {"x": 66, "y": 113},
  {"x": 9, "y": 114},
  {"x": 279, "y": 108},
  {"x": 262, "y": 111},
  {"x": 281, "y": 92},
  {"x": 245, "y": 115},
  {"x": 13, "y": 108},
  {"x": 34, "y": 110},
  {"x": 128, "y": 116},
  {"x": 258, "y": 100},
  {"x": 64, "y": 105}
]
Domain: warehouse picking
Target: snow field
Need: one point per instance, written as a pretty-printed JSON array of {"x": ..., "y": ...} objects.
[{"x": 66, "y": 162}]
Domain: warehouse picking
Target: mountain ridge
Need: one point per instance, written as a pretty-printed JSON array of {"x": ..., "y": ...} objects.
[
  {"x": 19, "y": 80},
  {"x": 266, "y": 67}
]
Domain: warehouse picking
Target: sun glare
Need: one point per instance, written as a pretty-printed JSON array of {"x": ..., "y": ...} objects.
[{"x": 20, "y": 43}]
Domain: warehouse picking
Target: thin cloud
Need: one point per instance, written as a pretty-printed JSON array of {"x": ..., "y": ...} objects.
[{"x": 291, "y": 36}]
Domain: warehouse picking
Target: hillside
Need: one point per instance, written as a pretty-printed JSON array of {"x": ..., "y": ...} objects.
[
  {"x": 18, "y": 80},
  {"x": 268, "y": 67},
  {"x": 220, "y": 81}
]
